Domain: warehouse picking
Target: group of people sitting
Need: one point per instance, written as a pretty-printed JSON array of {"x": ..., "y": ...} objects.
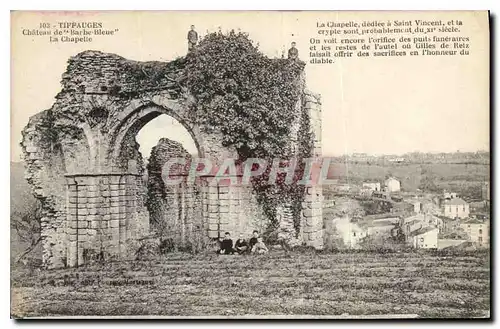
[{"x": 242, "y": 246}]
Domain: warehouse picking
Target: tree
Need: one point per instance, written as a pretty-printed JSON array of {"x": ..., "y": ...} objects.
[
  {"x": 250, "y": 99},
  {"x": 244, "y": 94},
  {"x": 26, "y": 223}
]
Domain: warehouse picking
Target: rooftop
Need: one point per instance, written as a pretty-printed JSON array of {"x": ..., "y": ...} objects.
[
  {"x": 377, "y": 223},
  {"x": 423, "y": 230},
  {"x": 455, "y": 201},
  {"x": 474, "y": 221}
]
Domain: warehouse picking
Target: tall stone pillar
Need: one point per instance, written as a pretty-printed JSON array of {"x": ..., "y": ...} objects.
[
  {"x": 101, "y": 209},
  {"x": 312, "y": 213},
  {"x": 312, "y": 217}
]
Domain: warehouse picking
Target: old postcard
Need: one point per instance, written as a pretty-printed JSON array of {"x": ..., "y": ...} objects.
[{"x": 270, "y": 164}]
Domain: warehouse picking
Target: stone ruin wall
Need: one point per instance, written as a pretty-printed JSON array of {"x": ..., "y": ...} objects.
[
  {"x": 179, "y": 210},
  {"x": 87, "y": 139}
]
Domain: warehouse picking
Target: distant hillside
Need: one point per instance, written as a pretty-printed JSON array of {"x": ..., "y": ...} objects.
[
  {"x": 21, "y": 201},
  {"x": 463, "y": 178},
  {"x": 20, "y": 191}
]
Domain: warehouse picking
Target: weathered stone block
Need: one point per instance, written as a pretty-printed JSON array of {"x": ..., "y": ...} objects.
[
  {"x": 93, "y": 194},
  {"x": 114, "y": 180},
  {"x": 82, "y": 224},
  {"x": 224, "y": 196},
  {"x": 315, "y": 212},
  {"x": 213, "y": 234},
  {"x": 224, "y": 209}
]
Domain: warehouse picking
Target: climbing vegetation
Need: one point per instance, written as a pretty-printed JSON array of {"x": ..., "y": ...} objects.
[
  {"x": 244, "y": 94},
  {"x": 251, "y": 100}
]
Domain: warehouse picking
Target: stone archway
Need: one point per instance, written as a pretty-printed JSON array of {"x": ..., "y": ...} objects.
[{"x": 94, "y": 203}]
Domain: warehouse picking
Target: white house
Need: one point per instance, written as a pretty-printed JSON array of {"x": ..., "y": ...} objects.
[
  {"x": 455, "y": 208},
  {"x": 392, "y": 184},
  {"x": 374, "y": 186},
  {"x": 477, "y": 231},
  {"x": 424, "y": 238},
  {"x": 417, "y": 206}
]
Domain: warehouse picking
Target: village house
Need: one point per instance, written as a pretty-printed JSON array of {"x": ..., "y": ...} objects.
[
  {"x": 477, "y": 231},
  {"x": 455, "y": 208},
  {"x": 381, "y": 195},
  {"x": 433, "y": 220},
  {"x": 451, "y": 227},
  {"x": 374, "y": 186},
  {"x": 379, "y": 229},
  {"x": 342, "y": 187},
  {"x": 425, "y": 220},
  {"x": 411, "y": 224},
  {"x": 417, "y": 206},
  {"x": 449, "y": 195},
  {"x": 392, "y": 185},
  {"x": 397, "y": 160},
  {"x": 422, "y": 203},
  {"x": 424, "y": 238}
]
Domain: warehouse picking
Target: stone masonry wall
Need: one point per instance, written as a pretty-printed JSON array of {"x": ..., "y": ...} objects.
[
  {"x": 175, "y": 210},
  {"x": 87, "y": 139},
  {"x": 232, "y": 209},
  {"x": 101, "y": 210}
]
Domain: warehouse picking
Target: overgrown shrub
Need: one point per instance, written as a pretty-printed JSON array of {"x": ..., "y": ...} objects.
[{"x": 250, "y": 99}]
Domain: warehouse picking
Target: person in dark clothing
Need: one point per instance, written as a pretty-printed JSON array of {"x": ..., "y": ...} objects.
[
  {"x": 293, "y": 53},
  {"x": 226, "y": 246},
  {"x": 253, "y": 239},
  {"x": 192, "y": 38},
  {"x": 241, "y": 245}
]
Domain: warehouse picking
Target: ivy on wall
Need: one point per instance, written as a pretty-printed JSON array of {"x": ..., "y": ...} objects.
[
  {"x": 251, "y": 100},
  {"x": 244, "y": 94}
]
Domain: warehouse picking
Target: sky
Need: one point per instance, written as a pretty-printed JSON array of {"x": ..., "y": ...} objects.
[{"x": 388, "y": 105}]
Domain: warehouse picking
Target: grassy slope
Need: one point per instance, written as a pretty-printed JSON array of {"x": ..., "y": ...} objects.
[{"x": 275, "y": 284}]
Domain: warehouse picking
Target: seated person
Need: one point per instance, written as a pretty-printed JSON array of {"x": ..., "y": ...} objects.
[
  {"x": 259, "y": 247},
  {"x": 241, "y": 245},
  {"x": 226, "y": 245},
  {"x": 253, "y": 239}
]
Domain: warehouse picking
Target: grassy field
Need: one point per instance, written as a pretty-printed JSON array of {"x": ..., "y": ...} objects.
[{"x": 306, "y": 283}]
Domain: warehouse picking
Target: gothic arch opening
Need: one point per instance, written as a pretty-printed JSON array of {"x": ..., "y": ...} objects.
[
  {"x": 175, "y": 210},
  {"x": 124, "y": 151}
]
